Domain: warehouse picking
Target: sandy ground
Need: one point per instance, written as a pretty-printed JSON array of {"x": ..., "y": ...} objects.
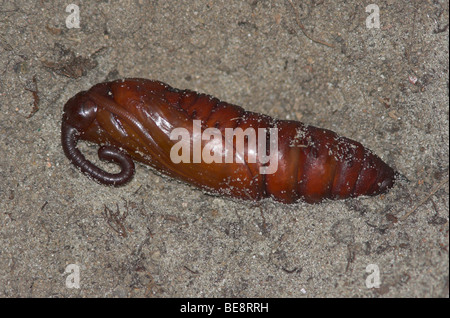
[{"x": 386, "y": 87}]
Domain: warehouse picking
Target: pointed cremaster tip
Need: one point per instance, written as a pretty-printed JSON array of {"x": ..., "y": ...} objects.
[{"x": 401, "y": 177}]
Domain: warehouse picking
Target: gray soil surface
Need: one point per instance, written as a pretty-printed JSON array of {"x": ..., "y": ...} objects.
[{"x": 386, "y": 87}]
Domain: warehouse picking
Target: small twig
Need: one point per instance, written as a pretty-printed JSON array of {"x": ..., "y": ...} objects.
[
  {"x": 424, "y": 200},
  {"x": 35, "y": 98},
  {"x": 440, "y": 30},
  {"x": 44, "y": 205},
  {"x": 115, "y": 219},
  {"x": 409, "y": 46},
  {"x": 302, "y": 27},
  {"x": 190, "y": 270},
  {"x": 290, "y": 271},
  {"x": 135, "y": 192},
  {"x": 264, "y": 224}
]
